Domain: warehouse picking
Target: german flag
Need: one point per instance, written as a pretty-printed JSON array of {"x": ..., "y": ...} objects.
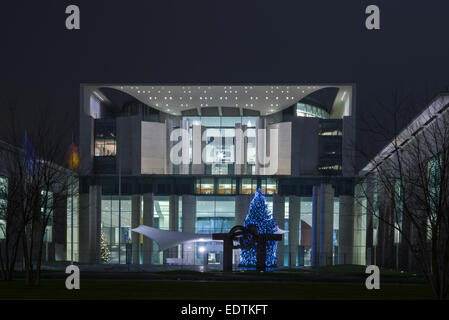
[{"x": 72, "y": 158}]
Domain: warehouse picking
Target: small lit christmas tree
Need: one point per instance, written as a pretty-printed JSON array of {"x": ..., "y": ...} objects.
[
  {"x": 259, "y": 215},
  {"x": 105, "y": 253}
]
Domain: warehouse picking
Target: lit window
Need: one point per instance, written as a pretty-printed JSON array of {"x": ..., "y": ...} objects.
[
  {"x": 248, "y": 186},
  {"x": 226, "y": 186},
  {"x": 105, "y": 147},
  {"x": 309, "y": 111},
  {"x": 205, "y": 186},
  {"x": 269, "y": 186}
]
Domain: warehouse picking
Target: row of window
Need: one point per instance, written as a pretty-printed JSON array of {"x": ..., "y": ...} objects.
[
  {"x": 309, "y": 111},
  {"x": 3, "y": 207},
  {"x": 222, "y": 122},
  {"x": 213, "y": 215},
  {"x": 229, "y": 186}
]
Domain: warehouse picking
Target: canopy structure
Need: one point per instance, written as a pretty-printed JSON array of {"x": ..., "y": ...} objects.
[{"x": 167, "y": 239}]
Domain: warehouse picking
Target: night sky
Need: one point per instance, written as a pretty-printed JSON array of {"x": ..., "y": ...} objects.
[{"x": 314, "y": 41}]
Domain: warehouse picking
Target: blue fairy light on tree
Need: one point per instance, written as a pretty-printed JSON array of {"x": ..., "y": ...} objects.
[{"x": 259, "y": 215}]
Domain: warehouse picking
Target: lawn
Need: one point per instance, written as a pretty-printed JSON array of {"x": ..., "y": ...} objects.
[{"x": 214, "y": 290}]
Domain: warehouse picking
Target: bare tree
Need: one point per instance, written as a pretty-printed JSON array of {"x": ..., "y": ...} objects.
[
  {"x": 37, "y": 187},
  {"x": 406, "y": 186}
]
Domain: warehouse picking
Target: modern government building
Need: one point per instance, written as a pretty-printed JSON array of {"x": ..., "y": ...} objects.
[
  {"x": 188, "y": 158},
  {"x": 295, "y": 142}
]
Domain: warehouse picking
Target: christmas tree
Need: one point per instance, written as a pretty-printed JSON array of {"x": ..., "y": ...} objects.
[
  {"x": 259, "y": 215},
  {"x": 105, "y": 253}
]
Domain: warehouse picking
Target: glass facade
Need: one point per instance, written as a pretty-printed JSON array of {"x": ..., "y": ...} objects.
[
  {"x": 75, "y": 228},
  {"x": 214, "y": 214},
  {"x": 228, "y": 186},
  {"x": 305, "y": 257},
  {"x": 330, "y": 154},
  {"x": 309, "y": 111},
  {"x": 3, "y": 205},
  {"x": 336, "y": 229},
  {"x": 116, "y": 225},
  {"x": 375, "y": 218},
  {"x": 398, "y": 209},
  {"x": 248, "y": 185},
  {"x": 105, "y": 138},
  {"x": 161, "y": 220},
  {"x": 360, "y": 232},
  {"x": 48, "y": 197},
  {"x": 220, "y": 142}
]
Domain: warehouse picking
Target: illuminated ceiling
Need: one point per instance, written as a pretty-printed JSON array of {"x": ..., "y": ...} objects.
[{"x": 266, "y": 99}]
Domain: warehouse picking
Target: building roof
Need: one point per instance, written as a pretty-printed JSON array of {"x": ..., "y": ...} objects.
[
  {"x": 262, "y": 99},
  {"x": 435, "y": 108}
]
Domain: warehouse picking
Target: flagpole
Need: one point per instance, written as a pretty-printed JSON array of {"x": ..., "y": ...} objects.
[{"x": 71, "y": 219}]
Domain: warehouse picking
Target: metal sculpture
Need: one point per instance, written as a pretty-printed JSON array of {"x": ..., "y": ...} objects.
[{"x": 246, "y": 238}]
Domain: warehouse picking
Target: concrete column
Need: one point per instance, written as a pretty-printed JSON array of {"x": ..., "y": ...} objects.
[
  {"x": 322, "y": 225},
  {"x": 188, "y": 225},
  {"x": 294, "y": 220},
  {"x": 135, "y": 222},
  {"x": 90, "y": 226},
  {"x": 358, "y": 256},
  {"x": 241, "y": 208},
  {"x": 148, "y": 213},
  {"x": 262, "y": 140},
  {"x": 185, "y": 145},
  {"x": 169, "y": 126},
  {"x": 279, "y": 217},
  {"x": 86, "y": 140},
  {"x": 197, "y": 148},
  {"x": 362, "y": 206},
  {"x": 346, "y": 230},
  {"x": 173, "y": 222},
  {"x": 242, "y": 203},
  {"x": 241, "y": 147}
]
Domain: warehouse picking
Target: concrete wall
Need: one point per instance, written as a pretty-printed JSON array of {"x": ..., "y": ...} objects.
[
  {"x": 348, "y": 147},
  {"x": 153, "y": 148},
  {"x": 279, "y": 217},
  {"x": 282, "y": 146},
  {"x": 242, "y": 203},
  {"x": 241, "y": 148},
  {"x": 90, "y": 225},
  {"x": 185, "y": 145},
  {"x": 86, "y": 146},
  {"x": 173, "y": 222},
  {"x": 129, "y": 144},
  {"x": 197, "y": 149},
  {"x": 346, "y": 227},
  {"x": 294, "y": 218},
  {"x": 304, "y": 146},
  {"x": 188, "y": 225},
  {"x": 148, "y": 214}
]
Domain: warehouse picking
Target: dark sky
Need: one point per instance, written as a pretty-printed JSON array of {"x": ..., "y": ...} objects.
[{"x": 229, "y": 41}]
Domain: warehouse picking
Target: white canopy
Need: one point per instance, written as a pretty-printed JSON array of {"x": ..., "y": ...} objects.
[{"x": 167, "y": 239}]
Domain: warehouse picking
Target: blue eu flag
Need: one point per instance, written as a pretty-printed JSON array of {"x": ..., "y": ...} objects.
[{"x": 29, "y": 154}]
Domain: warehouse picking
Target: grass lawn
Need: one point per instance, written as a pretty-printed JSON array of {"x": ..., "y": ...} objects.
[{"x": 126, "y": 289}]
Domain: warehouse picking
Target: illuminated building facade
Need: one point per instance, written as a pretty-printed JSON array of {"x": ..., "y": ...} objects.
[{"x": 188, "y": 158}]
